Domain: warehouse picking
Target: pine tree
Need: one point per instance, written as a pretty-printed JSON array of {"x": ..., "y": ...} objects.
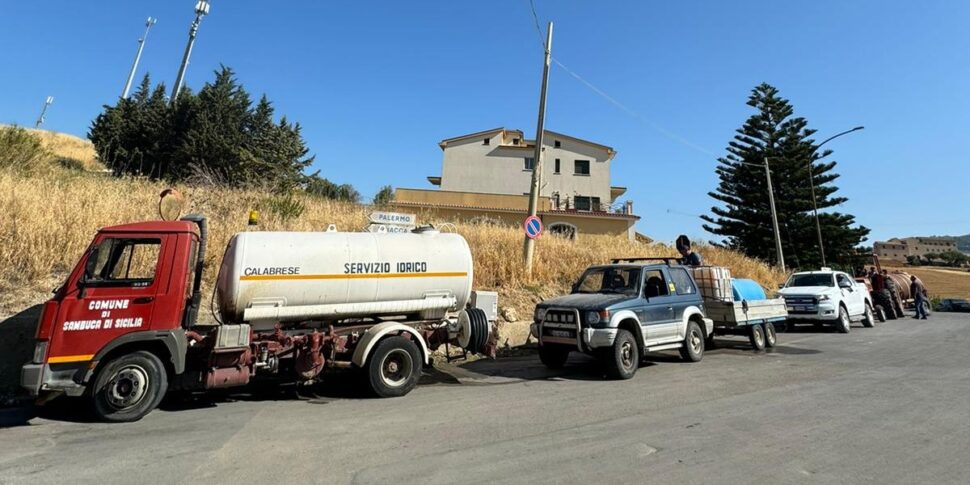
[{"x": 744, "y": 219}]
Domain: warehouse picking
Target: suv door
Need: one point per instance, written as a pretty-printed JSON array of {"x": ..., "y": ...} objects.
[
  {"x": 853, "y": 298},
  {"x": 684, "y": 295},
  {"x": 657, "y": 313},
  {"x": 114, "y": 295}
]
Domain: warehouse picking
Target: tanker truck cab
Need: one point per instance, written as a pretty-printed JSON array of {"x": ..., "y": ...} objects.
[
  {"x": 122, "y": 329},
  {"x": 621, "y": 311}
]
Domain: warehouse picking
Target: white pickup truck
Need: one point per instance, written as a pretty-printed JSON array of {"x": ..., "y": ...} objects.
[{"x": 827, "y": 297}]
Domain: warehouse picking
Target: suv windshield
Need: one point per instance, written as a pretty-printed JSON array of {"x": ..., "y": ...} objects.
[
  {"x": 611, "y": 280},
  {"x": 809, "y": 279}
]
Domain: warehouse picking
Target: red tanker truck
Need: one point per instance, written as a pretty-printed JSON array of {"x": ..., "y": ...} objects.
[{"x": 123, "y": 328}]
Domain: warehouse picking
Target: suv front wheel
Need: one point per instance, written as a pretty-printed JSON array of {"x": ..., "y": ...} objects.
[
  {"x": 623, "y": 359},
  {"x": 693, "y": 349}
]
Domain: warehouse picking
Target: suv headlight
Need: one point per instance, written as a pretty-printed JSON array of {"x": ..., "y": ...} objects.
[
  {"x": 540, "y": 314},
  {"x": 594, "y": 318},
  {"x": 824, "y": 298},
  {"x": 40, "y": 351}
]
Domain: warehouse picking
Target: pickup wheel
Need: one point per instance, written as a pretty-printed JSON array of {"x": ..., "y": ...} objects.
[
  {"x": 623, "y": 359},
  {"x": 771, "y": 338},
  {"x": 128, "y": 387},
  {"x": 757, "y": 337},
  {"x": 843, "y": 324},
  {"x": 868, "y": 319},
  {"x": 693, "y": 349},
  {"x": 553, "y": 356},
  {"x": 394, "y": 367}
]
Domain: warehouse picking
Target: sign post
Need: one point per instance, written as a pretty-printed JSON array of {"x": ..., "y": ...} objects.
[{"x": 391, "y": 222}]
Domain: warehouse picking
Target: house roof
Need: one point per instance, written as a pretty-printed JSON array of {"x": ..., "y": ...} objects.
[
  {"x": 570, "y": 212},
  {"x": 444, "y": 143}
]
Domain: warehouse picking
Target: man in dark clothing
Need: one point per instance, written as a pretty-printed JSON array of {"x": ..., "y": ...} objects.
[
  {"x": 690, "y": 258},
  {"x": 919, "y": 297}
]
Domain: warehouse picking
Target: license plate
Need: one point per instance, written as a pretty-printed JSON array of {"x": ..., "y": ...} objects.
[{"x": 561, "y": 333}]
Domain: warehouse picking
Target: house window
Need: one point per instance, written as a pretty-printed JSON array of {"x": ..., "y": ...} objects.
[
  {"x": 557, "y": 165},
  {"x": 530, "y": 163},
  {"x": 595, "y": 204},
  {"x": 515, "y": 141},
  {"x": 558, "y": 144},
  {"x": 581, "y": 167},
  {"x": 582, "y": 203},
  {"x": 486, "y": 141}
]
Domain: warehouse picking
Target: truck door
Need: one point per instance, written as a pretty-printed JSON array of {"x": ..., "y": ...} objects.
[
  {"x": 114, "y": 294},
  {"x": 684, "y": 295},
  {"x": 657, "y": 316},
  {"x": 854, "y": 299}
]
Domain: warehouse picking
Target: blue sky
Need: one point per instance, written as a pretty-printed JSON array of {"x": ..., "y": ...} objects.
[{"x": 377, "y": 84}]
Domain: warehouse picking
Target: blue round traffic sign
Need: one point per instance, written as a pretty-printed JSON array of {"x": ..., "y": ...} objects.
[{"x": 533, "y": 227}]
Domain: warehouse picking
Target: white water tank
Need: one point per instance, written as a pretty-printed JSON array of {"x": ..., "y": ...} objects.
[{"x": 269, "y": 277}]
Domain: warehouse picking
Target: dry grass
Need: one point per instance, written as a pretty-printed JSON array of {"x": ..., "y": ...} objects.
[
  {"x": 49, "y": 221},
  {"x": 68, "y": 150},
  {"x": 50, "y": 218}
]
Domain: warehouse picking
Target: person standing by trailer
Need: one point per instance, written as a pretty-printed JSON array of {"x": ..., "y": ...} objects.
[
  {"x": 919, "y": 296},
  {"x": 690, "y": 258}
]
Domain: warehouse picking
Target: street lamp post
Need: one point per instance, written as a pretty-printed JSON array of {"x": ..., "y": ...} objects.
[
  {"x": 811, "y": 180},
  {"x": 141, "y": 46}
]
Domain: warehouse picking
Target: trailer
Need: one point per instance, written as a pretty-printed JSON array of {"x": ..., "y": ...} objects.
[
  {"x": 289, "y": 306},
  {"x": 739, "y": 307}
]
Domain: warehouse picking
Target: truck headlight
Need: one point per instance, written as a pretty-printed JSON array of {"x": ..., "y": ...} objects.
[
  {"x": 596, "y": 317},
  {"x": 540, "y": 314},
  {"x": 824, "y": 298},
  {"x": 40, "y": 351}
]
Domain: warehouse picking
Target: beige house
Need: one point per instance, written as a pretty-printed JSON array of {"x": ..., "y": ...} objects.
[
  {"x": 898, "y": 249},
  {"x": 487, "y": 175}
]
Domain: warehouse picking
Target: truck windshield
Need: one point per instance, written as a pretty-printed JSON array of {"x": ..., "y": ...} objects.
[
  {"x": 810, "y": 279},
  {"x": 610, "y": 280}
]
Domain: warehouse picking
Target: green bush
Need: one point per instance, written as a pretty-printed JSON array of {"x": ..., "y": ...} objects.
[
  {"x": 20, "y": 150},
  {"x": 285, "y": 207}
]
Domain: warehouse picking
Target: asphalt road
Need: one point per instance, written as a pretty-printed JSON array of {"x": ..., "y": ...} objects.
[{"x": 883, "y": 405}]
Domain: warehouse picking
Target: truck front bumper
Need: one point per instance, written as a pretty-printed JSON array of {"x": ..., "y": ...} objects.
[
  {"x": 825, "y": 311},
  {"x": 40, "y": 378},
  {"x": 589, "y": 338}
]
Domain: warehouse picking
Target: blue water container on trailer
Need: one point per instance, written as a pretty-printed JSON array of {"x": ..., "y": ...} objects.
[{"x": 745, "y": 289}]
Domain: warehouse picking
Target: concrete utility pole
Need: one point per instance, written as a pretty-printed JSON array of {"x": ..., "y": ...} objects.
[
  {"x": 774, "y": 218},
  {"x": 201, "y": 10},
  {"x": 529, "y": 250},
  {"x": 40, "y": 119},
  {"x": 134, "y": 66},
  {"x": 811, "y": 181}
]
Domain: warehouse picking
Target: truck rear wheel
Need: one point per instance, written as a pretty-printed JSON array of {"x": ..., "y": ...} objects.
[
  {"x": 757, "y": 337},
  {"x": 868, "y": 319},
  {"x": 693, "y": 349},
  {"x": 129, "y": 387},
  {"x": 553, "y": 356},
  {"x": 394, "y": 367},
  {"x": 623, "y": 359},
  {"x": 881, "y": 313}
]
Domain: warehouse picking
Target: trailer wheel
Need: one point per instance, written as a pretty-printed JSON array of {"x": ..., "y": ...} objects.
[
  {"x": 843, "y": 324},
  {"x": 757, "y": 337},
  {"x": 553, "y": 356},
  {"x": 881, "y": 313},
  {"x": 623, "y": 359},
  {"x": 868, "y": 319},
  {"x": 693, "y": 348},
  {"x": 128, "y": 387},
  {"x": 771, "y": 337},
  {"x": 394, "y": 367}
]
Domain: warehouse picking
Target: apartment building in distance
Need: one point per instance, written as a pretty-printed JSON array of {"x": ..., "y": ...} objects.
[
  {"x": 897, "y": 249},
  {"x": 487, "y": 176}
]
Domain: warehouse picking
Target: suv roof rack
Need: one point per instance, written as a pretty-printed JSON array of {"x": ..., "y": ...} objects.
[{"x": 665, "y": 259}]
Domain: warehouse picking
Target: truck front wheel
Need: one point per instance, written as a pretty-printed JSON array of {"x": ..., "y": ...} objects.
[
  {"x": 843, "y": 324},
  {"x": 693, "y": 349},
  {"x": 129, "y": 387},
  {"x": 623, "y": 359},
  {"x": 394, "y": 367},
  {"x": 553, "y": 356}
]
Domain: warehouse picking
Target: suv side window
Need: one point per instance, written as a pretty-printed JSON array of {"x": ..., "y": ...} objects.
[
  {"x": 842, "y": 280},
  {"x": 682, "y": 281},
  {"x": 654, "y": 284}
]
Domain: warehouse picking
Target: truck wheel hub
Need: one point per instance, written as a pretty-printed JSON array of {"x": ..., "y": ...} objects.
[
  {"x": 396, "y": 368},
  {"x": 626, "y": 354},
  {"x": 127, "y": 387},
  {"x": 695, "y": 342}
]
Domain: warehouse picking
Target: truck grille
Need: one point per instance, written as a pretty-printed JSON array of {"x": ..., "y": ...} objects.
[{"x": 801, "y": 305}]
